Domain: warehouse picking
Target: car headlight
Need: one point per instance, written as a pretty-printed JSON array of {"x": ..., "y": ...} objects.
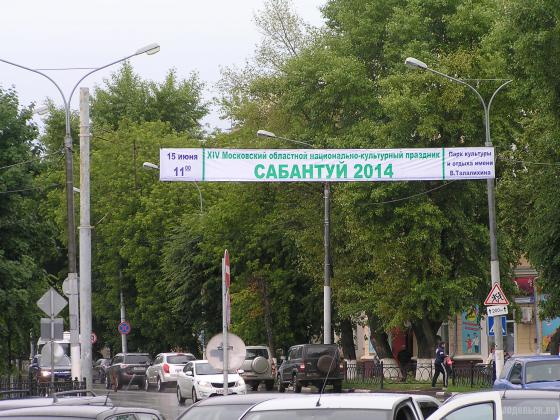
[
  {"x": 45, "y": 373},
  {"x": 205, "y": 384}
]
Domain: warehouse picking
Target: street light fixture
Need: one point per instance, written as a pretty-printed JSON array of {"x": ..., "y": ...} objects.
[
  {"x": 153, "y": 166},
  {"x": 327, "y": 329},
  {"x": 72, "y": 269},
  {"x": 494, "y": 262}
]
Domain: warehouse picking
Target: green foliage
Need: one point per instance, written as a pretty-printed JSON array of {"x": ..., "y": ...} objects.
[
  {"x": 24, "y": 234},
  {"x": 127, "y": 97}
]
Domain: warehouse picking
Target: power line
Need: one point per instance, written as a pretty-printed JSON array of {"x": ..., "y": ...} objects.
[
  {"x": 30, "y": 160},
  {"x": 31, "y": 189}
]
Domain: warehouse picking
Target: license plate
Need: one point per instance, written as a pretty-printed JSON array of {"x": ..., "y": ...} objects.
[
  {"x": 179, "y": 370},
  {"x": 138, "y": 369}
]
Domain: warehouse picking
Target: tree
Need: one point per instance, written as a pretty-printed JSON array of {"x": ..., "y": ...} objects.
[
  {"x": 128, "y": 97},
  {"x": 24, "y": 234}
]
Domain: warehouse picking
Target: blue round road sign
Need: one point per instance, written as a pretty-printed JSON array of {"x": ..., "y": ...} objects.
[{"x": 124, "y": 328}]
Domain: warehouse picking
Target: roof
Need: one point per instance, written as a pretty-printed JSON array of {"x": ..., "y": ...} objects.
[
  {"x": 535, "y": 358},
  {"x": 512, "y": 394},
  {"x": 84, "y": 411},
  {"x": 372, "y": 401},
  {"x": 242, "y": 399}
]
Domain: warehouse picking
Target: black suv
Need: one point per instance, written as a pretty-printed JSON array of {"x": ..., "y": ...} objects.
[
  {"x": 311, "y": 364},
  {"x": 127, "y": 369}
]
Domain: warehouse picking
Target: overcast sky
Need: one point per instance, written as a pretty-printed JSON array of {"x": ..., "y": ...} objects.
[{"x": 195, "y": 35}]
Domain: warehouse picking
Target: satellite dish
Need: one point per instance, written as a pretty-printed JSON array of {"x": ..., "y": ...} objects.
[
  {"x": 54, "y": 348},
  {"x": 215, "y": 351}
]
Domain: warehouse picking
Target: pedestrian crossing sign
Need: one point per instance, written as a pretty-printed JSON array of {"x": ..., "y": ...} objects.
[{"x": 496, "y": 296}]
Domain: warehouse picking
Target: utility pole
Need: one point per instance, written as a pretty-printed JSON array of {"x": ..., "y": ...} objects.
[
  {"x": 124, "y": 347},
  {"x": 85, "y": 240},
  {"x": 327, "y": 275}
]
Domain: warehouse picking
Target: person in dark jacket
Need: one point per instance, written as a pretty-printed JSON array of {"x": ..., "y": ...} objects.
[
  {"x": 439, "y": 365},
  {"x": 404, "y": 357}
]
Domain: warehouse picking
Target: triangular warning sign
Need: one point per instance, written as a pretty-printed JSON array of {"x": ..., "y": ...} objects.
[{"x": 496, "y": 296}]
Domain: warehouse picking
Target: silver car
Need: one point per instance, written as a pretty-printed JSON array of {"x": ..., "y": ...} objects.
[
  {"x": 259, "y": 366},
  {"x": 165, "y": 369}
]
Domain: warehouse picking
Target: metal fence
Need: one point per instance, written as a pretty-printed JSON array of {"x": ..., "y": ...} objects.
[
  {"x": 22, "y": 387},
  {"x": 474, "y": 375}
]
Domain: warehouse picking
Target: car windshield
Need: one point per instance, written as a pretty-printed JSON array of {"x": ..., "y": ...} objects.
[
  {"x": 319, "y": 414},
  {"x": 137, "y": 359},
  {"x": 180, "y": 359},
  {"x": 207, "y": 369},
  {"x": 542, "y": 371},
  {"x": 530, "y": 409},
  {"x": 254, "y": 353},
  {"x": 215, "y": 412},
  {"x": 318, "y": 351}
]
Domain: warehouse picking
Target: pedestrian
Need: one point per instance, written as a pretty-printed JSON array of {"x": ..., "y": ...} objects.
[
  {"x": 404, "y": 357},
  {"x": 491, "y": 361},
  {"x": 439, "y": 365}
]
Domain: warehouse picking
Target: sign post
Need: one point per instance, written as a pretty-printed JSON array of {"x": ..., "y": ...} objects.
[
  {"x": 496, "y": 303},
  {"x": 52, "y": 303},
  {"x": 225, "y": 315}
]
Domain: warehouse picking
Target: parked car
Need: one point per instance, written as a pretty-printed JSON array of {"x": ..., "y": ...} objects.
[
  {"x": 127, "y": 369},
  {"x": 40, "y": 370},
  {"x": 227, "y": 407},
  {"x": 199, "y": 380},
  {"x": 259, "y": 366},
  {"x": 501, "y": 405},
  {"x": 165, "y": 369},
  {"x": 59, "y": 398},
  {"x": 311, "y": 364},
  {"x": 340, "y": 406},
  {"x": 99, "y": 369},
  {"x": 530, "y": 372},
  {"x": 82, "y": 412}
]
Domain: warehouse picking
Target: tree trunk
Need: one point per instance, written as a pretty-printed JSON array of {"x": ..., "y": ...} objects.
[
  {"x": 347, "y": 338},
  {"x": 263, "y": 287},
  {"x": 378, "y": 337},
  {"x": 425, "y": 332},
  {"x": 554, "y": 341}
]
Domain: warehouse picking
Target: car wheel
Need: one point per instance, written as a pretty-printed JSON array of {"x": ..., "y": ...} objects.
[
  {"x": 146, "y": 384},
  {"x": 194, "y": 397},
  {"x": 269, "y": 385},
  {"x": 296, "y": 385},
  {"x": 280, "y": 385},
  {"x": 254, "y": 386},
  {"x": 107, "y": 382},
  {"x": 160, "y": 385},
  {"x": 180, "y": 398}
]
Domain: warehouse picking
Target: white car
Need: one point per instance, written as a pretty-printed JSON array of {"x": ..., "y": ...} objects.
[
  {"x": 366, "y": 406},
  {"x": 165, "y": 369},
  {"x": 501, "y": 405},
  {"x": 200, "y": 380}
]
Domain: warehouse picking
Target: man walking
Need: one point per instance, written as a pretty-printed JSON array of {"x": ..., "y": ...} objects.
[{"x": 439, "y": 365}]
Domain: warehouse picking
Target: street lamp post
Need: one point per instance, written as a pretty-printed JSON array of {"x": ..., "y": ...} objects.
[
  {"x": 72, "y": 270},
  {"x": 494, "y": 262},
  {"x": 327, "y": 329}
]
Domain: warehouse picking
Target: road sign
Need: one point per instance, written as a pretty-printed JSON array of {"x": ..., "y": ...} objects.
[
  {"x": 497, "y": 310},
  {"x": 53, "y": 348},
  {"x": 55, "y": 333},
  {"x": 52, "y": 303},
  {"x": 93, "y": 338},
  {"x": 235, "y": 352},
  {"x": 496, "y": 296},
  {"x": 491, "y": 325},
  {"x": 124, "y": 328}
]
